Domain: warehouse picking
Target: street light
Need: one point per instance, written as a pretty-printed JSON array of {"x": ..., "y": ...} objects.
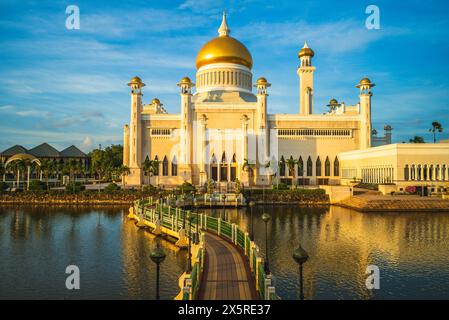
[
  {"x": 195, "y": 204},
  {"x": 266, "y": 218},
  {"x": 251, "y": 205},
  {"x": 224, "y": 208},
  {"x": 300, "y": 256},
  {"x": 189, "y": 254},
  {"x": 157, "y": 255}
]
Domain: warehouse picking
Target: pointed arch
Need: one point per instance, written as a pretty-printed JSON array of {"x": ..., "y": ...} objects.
[
  {"x": 156, "y": 160},
  {"x": 327, "y": 167},
  {"x": 309, "y": 167},
  {"x": 165, "y": 167},
  {"x": 336, "y": 167},
  {"x": 282, "y": 167},
  {"x": 233, "y": 168},
  {"x": 223, "y": 168},
  {"x": 318, "y": 167},
  {"x": 213, "y": 168},
  {"x": 174, "y": 166},
  {"x": 300, "y": 167}
]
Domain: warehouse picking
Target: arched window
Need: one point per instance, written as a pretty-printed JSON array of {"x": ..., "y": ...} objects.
[
  {"x": 419, "y": 172},
  {"x": 437, "y": 172},
  {"x": 156, "y": 160},
  {"x": 309, "y": 167},
  {"x": 213, "y": 168},
  {"x": 223, "y": 168},
  {"x": 300, "y": 167},
  {"x": 336, "y": 167},
  {"x": 413, "y": 173},
  {"x": 327, "y": 167},
  {"x": 165, "y": 167},
  {"x": 431, "y": 172},
  {"x": 425, "y": 172},
  {"x": 282, "y": 167},
  {"x": 406, "y": 173},
  {"x": 174, "y": 166},
  {"x": 443, "y": 172},
  {"x": 233, "y": 168},
  {"x": 318, "y": 167}
]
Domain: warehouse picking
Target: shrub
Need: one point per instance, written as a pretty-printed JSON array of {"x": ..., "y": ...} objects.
[
  {"x": 149, "y": 189},
  {"x": 74, "y": 187},
  {"x": 111, "y": 188},
  {"x": 187, "y": 187},
  {"x": 281, "y": 186},
  {"x": 37, "y": 185},
  {"x": 3, "y": 187}
]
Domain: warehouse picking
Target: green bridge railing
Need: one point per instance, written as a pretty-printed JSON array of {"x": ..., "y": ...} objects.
[{"x": 177, "y": 220}]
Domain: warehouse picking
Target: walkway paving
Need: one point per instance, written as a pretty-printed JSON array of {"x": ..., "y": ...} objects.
[{"x": 226, "y": 274}]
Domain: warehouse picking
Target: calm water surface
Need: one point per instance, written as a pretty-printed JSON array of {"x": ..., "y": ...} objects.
[{"x": 411, "y": 250}]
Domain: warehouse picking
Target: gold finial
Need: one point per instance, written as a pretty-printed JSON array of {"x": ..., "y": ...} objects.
[{"x": 224, "y": 30}]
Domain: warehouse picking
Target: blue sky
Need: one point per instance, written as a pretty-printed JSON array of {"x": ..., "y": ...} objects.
[{"x": 69, "y": 86}]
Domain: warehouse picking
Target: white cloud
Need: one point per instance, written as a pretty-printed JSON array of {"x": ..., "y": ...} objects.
[{"x": 87, "y": 143}]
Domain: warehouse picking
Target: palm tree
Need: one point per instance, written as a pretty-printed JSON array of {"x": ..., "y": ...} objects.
[
  {"x": 150, "y": 167},
  {"x": 123, "y": 172},
  {"x": 3, "y": 170},
  {"x": 291, "y": 163},
  {"x": 248, "y": 167},
  {"x": 436, "y": 127},
  {"x": 417, "y": 139},
  {"x": 46, "y": 167}
]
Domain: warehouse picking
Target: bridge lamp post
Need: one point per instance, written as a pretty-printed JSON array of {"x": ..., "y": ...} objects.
[
  {"x": 300, "y": 256},
  {"x": 251, "y": 206},
  {"x": 189, "y": 254},
  {"x": 266, "y": 218},
  {"x": 157, "y": 255},
  {"x": 195, "y": 203},
  {"x": 223, "y": 197},
  {"x": 184, "y": 214}
]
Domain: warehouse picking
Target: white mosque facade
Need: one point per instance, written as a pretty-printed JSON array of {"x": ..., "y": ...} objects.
[{"x": 224, "y": 132}]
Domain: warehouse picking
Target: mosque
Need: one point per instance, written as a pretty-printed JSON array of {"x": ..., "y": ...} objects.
[{"x": 224, "y": 132}]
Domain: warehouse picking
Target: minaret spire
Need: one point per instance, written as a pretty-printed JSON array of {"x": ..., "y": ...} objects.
[{"x": 224, "y": 30}]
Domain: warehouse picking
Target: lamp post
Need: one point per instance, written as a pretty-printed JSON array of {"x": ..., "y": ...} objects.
[
  {"x": 160, "y": 202},
  {"x": 223, "y": 197},
  {"x": 157, "y": 255},
  {"x": 251, "y": 206},
  {"x": 266, "y": 218},
  {"x": 300, "y": 256},
  {"x": 184, "y": 214},
  {"x": 195, "y": 203},
  {"x": 189, "y": 254}
]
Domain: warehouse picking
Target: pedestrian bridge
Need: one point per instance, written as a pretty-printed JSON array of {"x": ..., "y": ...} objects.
[{"x": 225, "y": 263}]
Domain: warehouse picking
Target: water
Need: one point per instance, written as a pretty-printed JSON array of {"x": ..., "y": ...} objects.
[{"x": 410, "y": 249}]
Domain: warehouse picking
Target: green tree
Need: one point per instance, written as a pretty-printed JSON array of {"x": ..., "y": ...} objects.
[
  {"x": 123, "y": 171},
  {"x": 436, "y": 127},
  {"x": 2, "y": 170},
  {"x": 150, "y": 167},
  {"x": 417, "y": 139},
  {"x": 46, "y": 167}
]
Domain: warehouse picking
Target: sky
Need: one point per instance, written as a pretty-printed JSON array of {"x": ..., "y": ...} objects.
[{"x": 69, "y": 87}]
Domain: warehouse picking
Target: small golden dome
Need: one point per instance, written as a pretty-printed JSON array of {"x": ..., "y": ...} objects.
[
  {"x": 156, "y": 101},
  {"x": 186, "y": 80},
  {"x": 262, "y": 80},
  {"x": 224, "y": 49},
  {"x": 365, "y": 81},
  {"x": 136, "y": 80},
  {"x": 333, "y": 102},
  {"x": 306, "y": 52}
]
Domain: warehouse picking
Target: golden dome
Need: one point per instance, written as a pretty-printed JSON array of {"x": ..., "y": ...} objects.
[
  {"x": 186, "y": 80},
  {"x": 156, "y": 101},
  {"x": 136, "y": 80},
  {"x": 224, "y": 49},
  {"x": 262, "y": 80},
  {"x": 333, "y": 102},
  {"x": 306, "y": 51},
  {"x": 365, "y": 81}
]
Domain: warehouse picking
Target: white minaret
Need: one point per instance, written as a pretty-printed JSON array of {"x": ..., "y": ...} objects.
[
  {"x": 262, "y": 86},
  {"x": 185, "y": 148},
  {"x": 135, "y": 132},
  {"x": 305, "y": 73},
  {"x": 365, "y": 86}
]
